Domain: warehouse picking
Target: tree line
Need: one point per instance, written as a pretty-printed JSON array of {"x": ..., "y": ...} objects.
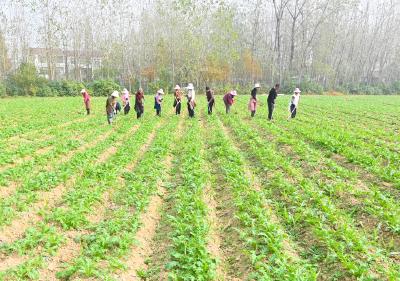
[{"x": 318, "y": 45}]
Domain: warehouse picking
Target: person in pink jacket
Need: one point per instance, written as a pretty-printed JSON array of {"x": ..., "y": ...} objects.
[
  {"x": 229, "y": 99},
  {"x": 86, "y": 100},
  {"x": 253, "y": 100}
]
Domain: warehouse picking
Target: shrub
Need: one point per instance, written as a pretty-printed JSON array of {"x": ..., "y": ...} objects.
[
  {"x": 25, "y": 82},
  {"x": 103, "y": 87},
  {"x": 46, "y": 91},
  {"x": 67, "y": 88},
  {"x": 2, "y": 89}
]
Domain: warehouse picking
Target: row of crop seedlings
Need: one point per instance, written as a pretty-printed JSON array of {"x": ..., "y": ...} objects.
[
  {"x": 62, "y": 145},
  {"x": 379, "y": 160},
  {"x": 111, "y": 240},
  {"x": 262, "y": 237},
  {"x": 371, "y": 129},
  {"x": 368, "y": 133},
  {"x": 78, "y": 202},
  {"x": 188, "y": 257},
  {"x": 363, "y": 110},
  {"x": 338, "y": 180},
  {"x": 41, "y": 140},
  {"x": 305, "y": 206},
  {"x": 351, "y": 141},
  {"x": 41, "y": 120},
  {"x": 47, "y": 179},
  {"x": 43, "y": 233}
]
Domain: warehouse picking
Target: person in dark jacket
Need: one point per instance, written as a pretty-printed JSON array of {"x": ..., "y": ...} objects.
[
  {"x": 139, "y": 103},
  {"x": 117, "y": 108},
  {"x": 271, "y": 101},
  {"x": 253, "y": 99},
  {"x": 210, "y": 99}
]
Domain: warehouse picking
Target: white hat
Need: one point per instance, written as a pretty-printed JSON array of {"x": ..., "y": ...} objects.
[
  {"x": 297, "y": 90},
  {"x": 115, "y": 94},
  {"x": 177, "y": 87},
  {"x": 83, "y": 91},
  {"x": 190, "y": 86},
  {"x": 233, "y": 93},
  {"x": 161, "y": 91},
  {"x": 257, "y": 85},
  {"x": 125, "y": 91}
]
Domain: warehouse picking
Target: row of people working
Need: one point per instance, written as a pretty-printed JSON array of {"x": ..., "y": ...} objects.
[{"x": 113, "y": 106}]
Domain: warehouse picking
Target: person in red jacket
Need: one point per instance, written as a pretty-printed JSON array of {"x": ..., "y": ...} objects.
[
  {"x": 86, "y": 100},
  {"x": 229, "y": 99}
]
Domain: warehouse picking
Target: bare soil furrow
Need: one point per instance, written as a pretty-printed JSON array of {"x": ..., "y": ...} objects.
[
  {"x": 73, "y": 249},
  {"x": 144, "y": 237},
  {"x": 48, "y": 199}
]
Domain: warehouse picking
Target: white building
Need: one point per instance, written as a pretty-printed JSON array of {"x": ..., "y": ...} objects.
[{"x": 65, "y": 64}]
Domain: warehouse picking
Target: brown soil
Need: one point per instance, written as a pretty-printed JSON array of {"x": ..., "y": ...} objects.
[
  {"x": 305, "y": 239},
  {"x": 71, "y": 249},
  {"x": 150, "y": 220},
  {"x": 156, "y": 253},
  {"x": 214, "y": 239},
  {"x": 106, "y": 202},
  {"x": 25, "y": 159},
  {"x": 68, "y": 251},
  {"x": 48, "y": 199},
  {"x": 11, "y": 262},
  {"x": 289, "y": 246},
  {"x": 7, "y": 190}
]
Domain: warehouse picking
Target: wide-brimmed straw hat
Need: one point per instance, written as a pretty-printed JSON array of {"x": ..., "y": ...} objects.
[
  {"x": 177, "y": 87},
  {"x": 234, "y": 93},
  {"x": 125, "y": 91},
  {"x": 115, "y": 94},
  {"x": 257, "y": 85},
  {"x": 83, "y": 91},
  {"x": 190, "y": 86},
  {"x": 297, "y": 90},
  {"x": 161, "y": 92}
]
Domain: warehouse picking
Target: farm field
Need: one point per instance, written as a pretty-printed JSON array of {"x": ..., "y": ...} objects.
[{"x": 221, "y": 197}]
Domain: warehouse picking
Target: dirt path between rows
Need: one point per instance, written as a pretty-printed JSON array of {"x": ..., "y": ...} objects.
[
  {"x": 150, "y": 220},
  {"x": 142, "y": 250},
  {"x": 71, "y": 249},
  {"x": 12, "y": 186},
  {"x": 27, "y": 158},
  {"x": 48, "y": 199}
]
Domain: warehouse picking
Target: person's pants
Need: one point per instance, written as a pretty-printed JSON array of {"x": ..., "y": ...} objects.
[
  {"x": 293, "y": 110},
  {"x": 127, "y": 108},
  {"x": 110, "y": 117},
  {"x": 191, "y": 110},
  {"x": 271, "y": 107},
  {"x": 178, "y": 108},
  {"x": 210, "y": 107},
  {"x": 227, "y": 108},
  {"x": 88, "y": 111},
  {"x": 253, "y": 113},
  {"x": 158, "y": 112},
  {"x": 139, "y": 110}
]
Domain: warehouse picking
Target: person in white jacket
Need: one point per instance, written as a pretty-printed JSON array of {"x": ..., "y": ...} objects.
[
  {"x": 294, "y": 103},
  {"x": 191, "y": 97}
]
